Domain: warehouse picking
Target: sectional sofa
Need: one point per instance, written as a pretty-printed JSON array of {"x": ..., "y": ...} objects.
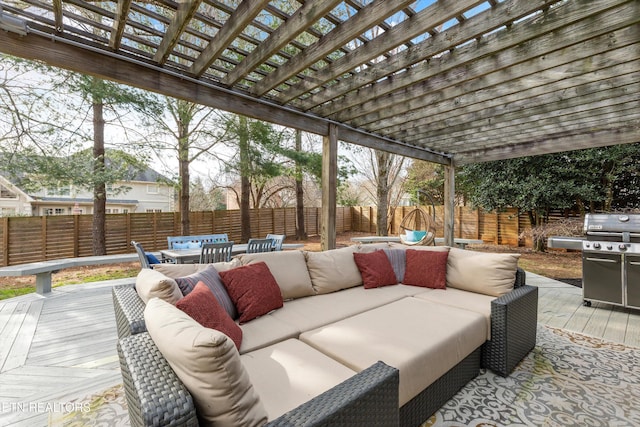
[{"x": 378, "y": 334}]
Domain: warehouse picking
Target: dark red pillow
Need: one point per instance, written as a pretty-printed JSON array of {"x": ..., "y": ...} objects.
[
  {"x": 426, "y": 268},
  {"x": 205, "y": 309},
  {"x": 253, "y": 290},
  {"x": 375, "y": 269}
]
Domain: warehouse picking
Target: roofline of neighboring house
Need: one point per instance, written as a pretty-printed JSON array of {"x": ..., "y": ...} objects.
[
  {"x": 15, "y": 188},
  {"x": 82, "y": 201}
]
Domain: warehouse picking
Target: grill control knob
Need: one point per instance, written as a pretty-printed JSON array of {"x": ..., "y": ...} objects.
[
  {"x": 596, "y": 245},
  {"x": 609, "y": 247},
  {"x": 622, "y": 247}
]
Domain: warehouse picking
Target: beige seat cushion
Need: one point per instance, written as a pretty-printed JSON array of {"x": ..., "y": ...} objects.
[
  {"x": 319, "y": 310},
  {"x": 265, "y": 330},
  {"x": 152, "y": 284},
  {"x": 289, "y": 268},
  {"x": 182, "y": 270},
  {"x": 406, "y": 334},
  {"x": 208, "y": 364},
  {"x": 473, "y": 301},
  {"x": 288, "y": 374},
  {"x": 484, "y": 273},
  {"x": 333, "y": 270}
]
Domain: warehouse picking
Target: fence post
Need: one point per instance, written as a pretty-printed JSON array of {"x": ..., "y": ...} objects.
[
  {"x": 5, "y": 240},
  {"x": 76, "y": 236},
  {"x": 43, "y": 236}
]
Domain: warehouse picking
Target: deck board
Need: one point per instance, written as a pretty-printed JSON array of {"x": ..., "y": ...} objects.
[
  {"x": 19, "y": 352},
  {"x": 62, "y": 347}
]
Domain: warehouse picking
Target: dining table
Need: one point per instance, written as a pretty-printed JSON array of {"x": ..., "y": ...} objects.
[{"x": 190, "y": 256}]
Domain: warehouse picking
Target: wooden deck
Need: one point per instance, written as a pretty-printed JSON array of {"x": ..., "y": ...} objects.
[
  {"x": 62, "y": 347},
  {"x": 54, "y": 350}
]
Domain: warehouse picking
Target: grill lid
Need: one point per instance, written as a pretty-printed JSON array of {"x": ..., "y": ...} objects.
[{"x": 623, "y": 225}]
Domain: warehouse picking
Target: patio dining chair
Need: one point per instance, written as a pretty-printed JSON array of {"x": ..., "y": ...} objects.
[
  {"x": 216, "y": 252},
  {"x": 146, "y": 258},
  {"x": 259, "y": 245},
  {"x": 278, "y": 239}
]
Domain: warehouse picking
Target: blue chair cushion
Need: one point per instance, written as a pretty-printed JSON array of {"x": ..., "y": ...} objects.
[
  {"x": 187, "y": 245},
  {"x": 414, "y": 235},
  {"x": 152, "y": 258}
]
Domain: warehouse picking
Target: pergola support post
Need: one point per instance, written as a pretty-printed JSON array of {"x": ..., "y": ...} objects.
[
  {"x": 449, "y": 204},
  {"x": 329, "y": 188}
]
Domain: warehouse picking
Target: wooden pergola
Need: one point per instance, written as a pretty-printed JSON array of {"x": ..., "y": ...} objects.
[{"x": 447, "y": 81}]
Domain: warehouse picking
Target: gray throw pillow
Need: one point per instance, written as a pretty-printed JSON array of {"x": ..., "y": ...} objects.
[{"x": 210, "y": 277}]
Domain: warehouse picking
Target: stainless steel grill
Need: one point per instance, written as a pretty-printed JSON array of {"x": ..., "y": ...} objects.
[{"x": 611, "y": 259}]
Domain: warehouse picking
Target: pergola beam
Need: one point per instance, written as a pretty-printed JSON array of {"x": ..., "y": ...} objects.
[
  {"x": 306, "y": 15},
  {"x": 552, "y": 107},
  {"x": 184, "y": 13},
  {"x": 597, "y": 138},
  {"x": 239, "y": 19},
  {"x": 120, "y": 21},
  {"x": 366, "y": 18},
  {"x": 441, "y": 42},
  {"x": 431, "y": 17},
  {"x": 508, "y": 48},
  {"x": 61, "y": 53},
  {"x": 620, "y": 116},
  {"x": 475, "y": 99}
]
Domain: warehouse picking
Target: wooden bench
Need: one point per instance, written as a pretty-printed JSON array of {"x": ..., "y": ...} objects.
[{"x": 44, "y": 269}]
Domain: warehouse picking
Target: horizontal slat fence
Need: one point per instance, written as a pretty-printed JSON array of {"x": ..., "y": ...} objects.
[
  {"x": 502, "y": 228},
  {"x": 32, "y": 239}
]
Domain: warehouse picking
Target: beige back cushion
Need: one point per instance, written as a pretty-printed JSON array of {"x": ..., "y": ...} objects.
[
  {"x": 484, "y": 273},
  {"x": 289, "y": 268},
  {"x": 182, "y": 270},
  {"x": 366, "y": 248},
  {"x": 151, "y": 283},
  {"x": 208, "y": 364},
  {"x": 333, "y": 270}
]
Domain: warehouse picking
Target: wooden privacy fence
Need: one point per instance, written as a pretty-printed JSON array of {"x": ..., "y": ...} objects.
[
  {"x": 32, "y": 239},
  {"x": 500, "y": 228}
]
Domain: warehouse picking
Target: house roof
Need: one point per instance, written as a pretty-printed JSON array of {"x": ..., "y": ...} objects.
[
  {"x": 145, "y": 175},
  {"x": 446, "y": 81},
  {"x": 84, "y": 200}
]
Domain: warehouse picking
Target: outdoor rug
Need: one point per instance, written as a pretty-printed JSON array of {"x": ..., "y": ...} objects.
[{"x": 569, "y": 379}]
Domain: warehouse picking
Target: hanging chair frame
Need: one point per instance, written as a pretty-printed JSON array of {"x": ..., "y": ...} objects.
[{"x": 429, "y": 223}]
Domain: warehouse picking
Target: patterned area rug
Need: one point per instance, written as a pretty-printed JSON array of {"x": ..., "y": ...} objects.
[
  {"x": 569, "y": 379},
  {"x": 106, "y": 409}
]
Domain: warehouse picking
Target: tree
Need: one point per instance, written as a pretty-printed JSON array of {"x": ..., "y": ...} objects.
[
  {"x": 52, "y": 112},
  {"x": 104, "y": 94},
  {"x": 383, "y": 174},
  {"x": 203, "y": 199},
  {"x": 583, "y": 180},
  {"x": 269, "y": 163},
  {"x": 195, "y": 130}
]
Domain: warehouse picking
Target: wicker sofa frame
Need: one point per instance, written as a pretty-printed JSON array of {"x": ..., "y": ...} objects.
[{"x": 156, "y": 397}]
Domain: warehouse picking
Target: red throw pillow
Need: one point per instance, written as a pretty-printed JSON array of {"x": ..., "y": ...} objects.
[
  {"x": 253, "y": 290},
  {"x": 201, "y": 305},
  {"x": 375, "y": 269},
  {"x": 426, "y": 268}
]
